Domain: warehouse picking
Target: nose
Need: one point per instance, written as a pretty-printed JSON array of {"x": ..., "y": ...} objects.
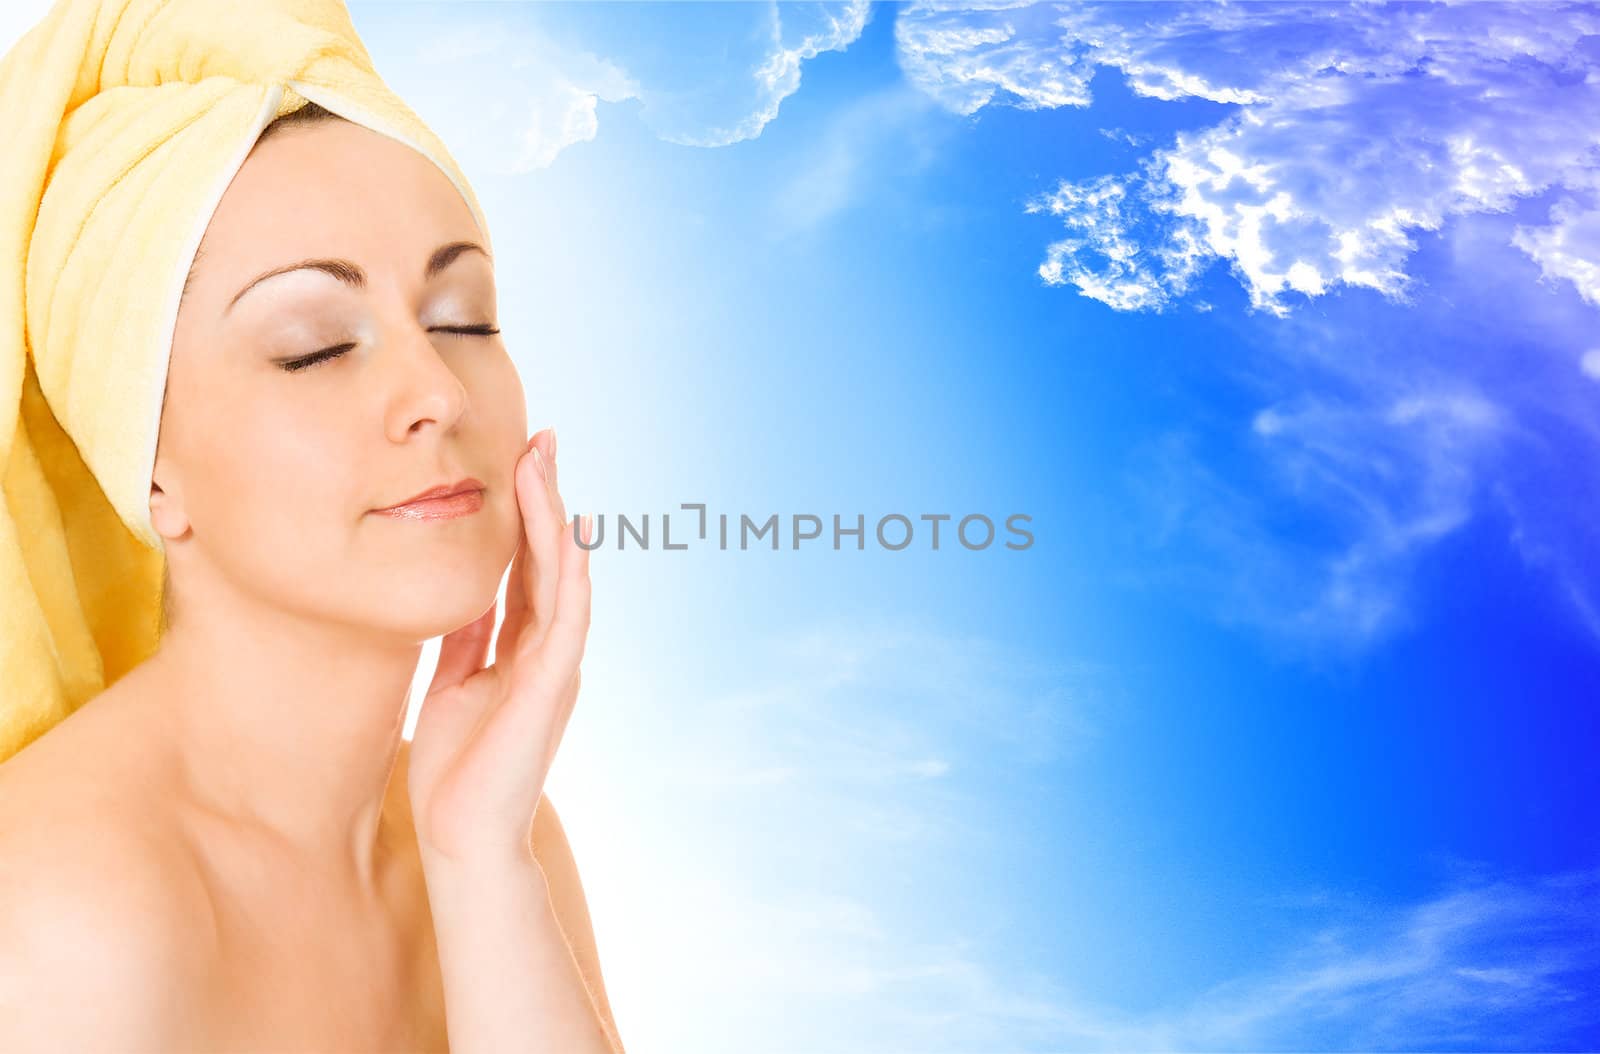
[{"x": 426, "y": 389}]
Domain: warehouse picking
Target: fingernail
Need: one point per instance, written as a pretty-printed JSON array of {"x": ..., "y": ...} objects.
[
  {"x": 552, "y": 442},
  {"x": 538, "y": 463}
]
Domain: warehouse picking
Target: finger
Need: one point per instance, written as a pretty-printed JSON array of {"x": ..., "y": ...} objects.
[
  {"x": 516, "y": 586},
  {"x": 547, "y": 451},
  {"x": 463, "y": 652},
  {"x": 541, "y": 572},
  {"x": 547, "y": 446},
  {"x": 516, "y": 603},
  {"x": 543, "y": 670},
  {"x": 555, "y": 656}
]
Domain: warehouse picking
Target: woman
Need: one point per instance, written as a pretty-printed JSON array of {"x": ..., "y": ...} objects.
[{"x": 231, "y": 847}]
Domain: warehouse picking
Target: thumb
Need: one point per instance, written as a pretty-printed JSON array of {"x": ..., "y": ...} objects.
[
  {"x": 463, "y": 652},
  {"x": 448, "y": 721}
]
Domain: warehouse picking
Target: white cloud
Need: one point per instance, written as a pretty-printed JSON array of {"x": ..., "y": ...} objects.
[
  {"x": 966, "y": 63},
  {"x": 868, "y": 145},
  {"x": 521, "y": 87},
  {"x": 1106, "y": 253},
  {"x": 937, "y": 703},
  {"x": 1486, "y": 964},
  {"x": 809, "y": 908},
  {"x": 799, "y": 32},
  {"x": 1479, "y": 964},
  {"x": 1351, "y": 133},
  {"x": 1358, "y": 128},
  {"x": 528, "y": 96},
  {"x": 1568, "y": 247},
  {"x": 716, "y": 75},
  {"x": 796, "y": 828},
  {"x": 1123, "y": 136},
  {"x": 1381, "y": 480}
]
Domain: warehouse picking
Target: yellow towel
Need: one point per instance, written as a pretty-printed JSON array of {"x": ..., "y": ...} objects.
[{"x": 124, "y": 121}]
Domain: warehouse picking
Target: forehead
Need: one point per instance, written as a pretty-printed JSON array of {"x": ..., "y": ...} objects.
[{"x": 332, "y": 188}]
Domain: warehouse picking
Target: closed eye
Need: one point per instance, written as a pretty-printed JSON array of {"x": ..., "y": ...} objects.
[
  {"x": 296, "y": 365},
  {"x": 483, "y": 329}
]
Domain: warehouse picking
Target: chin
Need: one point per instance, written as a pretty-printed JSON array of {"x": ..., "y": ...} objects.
[{"x": 431, "y": 606}]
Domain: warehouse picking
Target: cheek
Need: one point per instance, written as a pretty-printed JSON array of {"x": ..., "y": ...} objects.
[
  {"x": 502, "y": 438},
  {"x": 498, "y": 401},
  {"x": 283, "y": 472},
  {"x": 496, "y": 387}
]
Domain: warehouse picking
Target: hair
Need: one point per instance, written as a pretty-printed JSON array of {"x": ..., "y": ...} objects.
[
  {"x": 310, "y": 113},
  {"x": 168, "y": 606}
]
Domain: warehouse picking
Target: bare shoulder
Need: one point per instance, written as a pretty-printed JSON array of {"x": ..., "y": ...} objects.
[
  {"x": 104, "y": 923},
  {"x": 554, "y": 854},
  {"x": 551, "y": 848}
]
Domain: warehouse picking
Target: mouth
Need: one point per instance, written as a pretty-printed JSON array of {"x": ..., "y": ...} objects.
[{"x": 446, "y": 501}]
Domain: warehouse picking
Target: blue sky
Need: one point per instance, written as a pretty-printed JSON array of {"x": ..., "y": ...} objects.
[
  {"x": 1277, "y": 320},
  {"x": 1278, "y": 323}
]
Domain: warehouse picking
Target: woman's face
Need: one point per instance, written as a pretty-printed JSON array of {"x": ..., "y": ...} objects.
[{"x": 266, "y": 476}]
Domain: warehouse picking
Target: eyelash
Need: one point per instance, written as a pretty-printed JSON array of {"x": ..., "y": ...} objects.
[{"x": 296, "y": 365}]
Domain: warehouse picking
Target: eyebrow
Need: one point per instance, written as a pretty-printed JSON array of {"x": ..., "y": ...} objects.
[{"x": 352, "y": 275}]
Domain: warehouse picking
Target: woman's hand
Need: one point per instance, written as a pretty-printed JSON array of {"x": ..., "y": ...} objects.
[
  {"x": 483, "y": 745},
  {"x": 485, "y": 737}
]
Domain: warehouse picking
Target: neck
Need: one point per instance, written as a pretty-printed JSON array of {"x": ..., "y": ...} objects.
[{"x": 289, "y": 725}]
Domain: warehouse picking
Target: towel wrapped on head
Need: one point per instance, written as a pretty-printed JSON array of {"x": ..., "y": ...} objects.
[{"x": 126, "y": 120}]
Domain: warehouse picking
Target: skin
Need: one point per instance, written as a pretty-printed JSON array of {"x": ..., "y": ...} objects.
[{"x": 222, "y": 845}]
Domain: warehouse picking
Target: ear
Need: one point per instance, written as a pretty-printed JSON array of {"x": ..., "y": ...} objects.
[{"x": 166, "y": 513}]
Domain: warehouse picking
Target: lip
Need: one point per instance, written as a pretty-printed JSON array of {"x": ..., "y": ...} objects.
[{"x": 447, "y": 500}]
